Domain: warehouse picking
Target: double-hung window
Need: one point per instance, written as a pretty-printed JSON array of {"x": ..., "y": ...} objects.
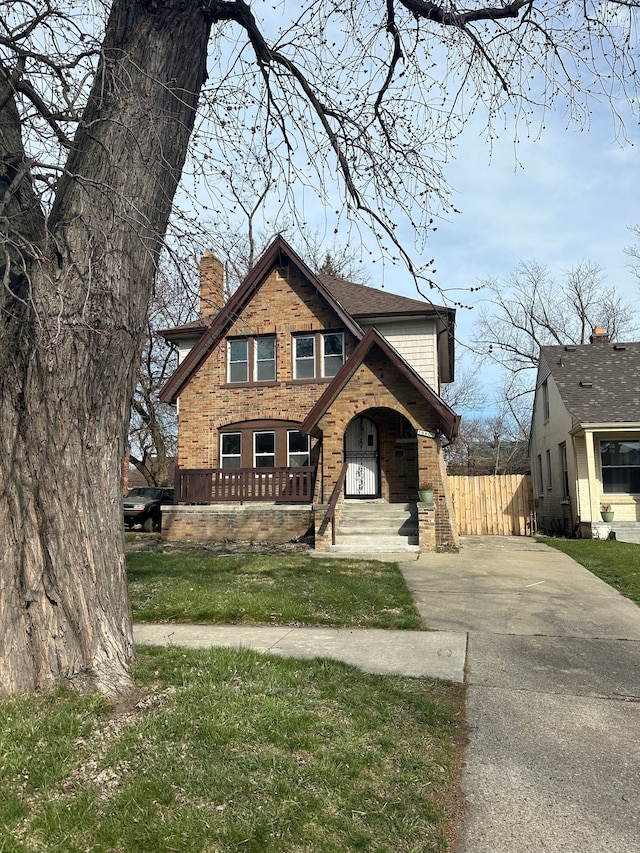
[
  {"x": 318, "y": 355},
  {"x": 304, "y": 357},
  {"x": 238, "y": 361},
  {"x": 231, "y": 450},
  {"x": 265, "y": 359},
  {"x": 332, "y": 353},
  {"x": 251, "y": 360},
  {"x": 264, "y": 450},
  {"x": 297, "y": 449}
]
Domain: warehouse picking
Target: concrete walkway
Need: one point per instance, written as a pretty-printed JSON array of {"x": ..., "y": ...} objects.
[
  {"x": 438, "y": 654},
  {"x": 553, "y": 702},
  {"x": 553, "y": 699}
]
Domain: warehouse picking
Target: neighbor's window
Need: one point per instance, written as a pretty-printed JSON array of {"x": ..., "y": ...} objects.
[
  {"x": 297, "y": 449},
  {"x": 620, "y": 462},
  {"x": 565, "y": 470},
  {"x": 549, "y": 471},
  {"x": 539, "y": 473},
  {"x": 264, "y": 450},
  {"x": 545, "y": 400},
  {"x": 231, "y": 450}
]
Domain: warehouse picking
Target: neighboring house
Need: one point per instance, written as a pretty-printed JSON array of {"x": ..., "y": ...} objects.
[
  {"x": 585, "y": 436},
  {"x": 295, "y": 380}
]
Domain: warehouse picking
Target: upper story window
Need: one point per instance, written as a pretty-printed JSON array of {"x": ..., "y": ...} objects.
[
  {"x": 332, "y": 353},
  {"x": 251, "y": 360},
  {"x": 545, "y": 400},
  {"x": 265, "y": 359},
  {"x": 318, "y": 355},
  {"x": 238, "y": 361},
  {"x": 304, "y": 357}
]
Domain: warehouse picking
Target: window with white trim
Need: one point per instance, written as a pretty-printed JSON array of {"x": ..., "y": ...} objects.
[
  {"x": 332, "y": 353},
  {"x": 304, "y": 357},
  {"x": 231, "y": 450},
  {"x": 264, "y": 450},
  {"x": 238, "y": 355},
  {"x": 265, "y": 370},
  {"x": 318, "y": 355},
  {"x": 297, "y": 449},
  {"x": 620, "y": 461},
  {"x": 251, "y": 359}
]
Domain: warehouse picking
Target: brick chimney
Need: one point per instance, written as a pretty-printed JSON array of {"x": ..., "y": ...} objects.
[
  {"x": 211, "y": 284},
  {"x": 599, "y": 336}
]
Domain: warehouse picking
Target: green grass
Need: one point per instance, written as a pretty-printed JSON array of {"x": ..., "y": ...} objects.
[
  {"x": 269, "y": 590},
  {"x": 616, "y": 563},
  {"x": 230, "y": 750}
]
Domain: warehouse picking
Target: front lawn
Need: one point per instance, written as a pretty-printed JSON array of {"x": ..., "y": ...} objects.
[
  {"x": 616, "y": 563},
  {"x": 229, "y": 750},
  {"x": 284, "y": 589}
]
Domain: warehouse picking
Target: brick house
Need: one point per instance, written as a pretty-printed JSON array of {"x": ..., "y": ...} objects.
[{"x": 300, "y": 393}]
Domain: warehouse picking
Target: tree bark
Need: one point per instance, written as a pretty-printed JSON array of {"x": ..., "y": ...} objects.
[{"x": 76, "y": 288}]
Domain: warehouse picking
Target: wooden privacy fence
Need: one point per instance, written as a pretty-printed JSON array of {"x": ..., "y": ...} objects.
[{"x": 500, "y": 506}]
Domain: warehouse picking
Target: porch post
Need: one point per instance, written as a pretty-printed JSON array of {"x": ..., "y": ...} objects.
[{"x": 592, "y": 478}]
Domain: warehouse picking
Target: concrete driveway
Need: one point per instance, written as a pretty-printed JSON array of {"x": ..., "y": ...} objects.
[{"x": 553, "y": 701}]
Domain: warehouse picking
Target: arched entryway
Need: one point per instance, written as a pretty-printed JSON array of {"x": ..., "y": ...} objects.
[{"x": 362, "y": 455}]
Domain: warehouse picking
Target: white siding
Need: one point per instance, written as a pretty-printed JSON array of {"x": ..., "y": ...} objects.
[
  {"x": 417, "y": 342},
  {"x": 547, "y": 435}
]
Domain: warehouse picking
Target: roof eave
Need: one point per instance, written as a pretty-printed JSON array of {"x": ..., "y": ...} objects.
[{"x": 449, "y": 419}]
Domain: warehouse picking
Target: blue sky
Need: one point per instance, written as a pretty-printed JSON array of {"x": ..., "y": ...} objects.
[{"x": 566, "y": 197}]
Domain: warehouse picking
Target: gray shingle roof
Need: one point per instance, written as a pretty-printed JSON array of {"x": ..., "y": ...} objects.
[{"x": 614, "y": 373}]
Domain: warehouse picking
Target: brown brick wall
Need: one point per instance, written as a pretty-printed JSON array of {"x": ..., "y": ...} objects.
[
  {"x": 232, "y": 522},
  {"x": 380, "y": 391},
  {"x": 282, "y": 305},
  {"x": 279, "y": 307}
]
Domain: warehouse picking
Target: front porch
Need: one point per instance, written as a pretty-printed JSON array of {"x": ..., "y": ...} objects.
[{"x": 242, "y": 485}]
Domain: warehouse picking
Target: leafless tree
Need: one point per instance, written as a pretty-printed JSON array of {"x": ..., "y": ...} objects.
[
  {"x": 533, "y": 309},
  {"x": 105, "y": 108}
]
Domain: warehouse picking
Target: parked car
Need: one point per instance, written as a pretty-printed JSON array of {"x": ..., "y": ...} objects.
[{"x": 142, "y": 506}]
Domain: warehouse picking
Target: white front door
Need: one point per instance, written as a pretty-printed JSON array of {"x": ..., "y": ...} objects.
[{"x": 361, "y": 454}]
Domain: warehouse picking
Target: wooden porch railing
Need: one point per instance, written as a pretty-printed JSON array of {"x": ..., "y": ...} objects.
[{"x": 217, "y": 485}]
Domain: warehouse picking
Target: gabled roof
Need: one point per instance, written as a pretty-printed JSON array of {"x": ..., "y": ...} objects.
[
  {"x": 362, "y": 301},
  {"x": 359, "y": 300},
  {"x": 448, "y": 419},
  {"x": 598, "y": 383},
  {"x": 279, "y": 253}
]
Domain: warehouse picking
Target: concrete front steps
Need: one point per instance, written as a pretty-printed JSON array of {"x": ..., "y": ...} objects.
[
  {"x": 374, "y": 526},
  {"x": 626, "y": 531}
]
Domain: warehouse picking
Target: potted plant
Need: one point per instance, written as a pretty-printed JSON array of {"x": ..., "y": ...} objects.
[
  {"x": 606, "y": 512},
  {"x": 426, "y": 494}
]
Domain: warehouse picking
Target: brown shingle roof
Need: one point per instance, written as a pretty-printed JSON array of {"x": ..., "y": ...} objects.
[
  {"x": 363, "y": 301},
  {"x": 614, "y": 373}
]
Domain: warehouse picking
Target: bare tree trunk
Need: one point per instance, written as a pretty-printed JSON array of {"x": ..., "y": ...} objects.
[{"x": 72, "y": 322}]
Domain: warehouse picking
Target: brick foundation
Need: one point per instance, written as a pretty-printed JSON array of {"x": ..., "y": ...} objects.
[{"x": 257, "y": 522}]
